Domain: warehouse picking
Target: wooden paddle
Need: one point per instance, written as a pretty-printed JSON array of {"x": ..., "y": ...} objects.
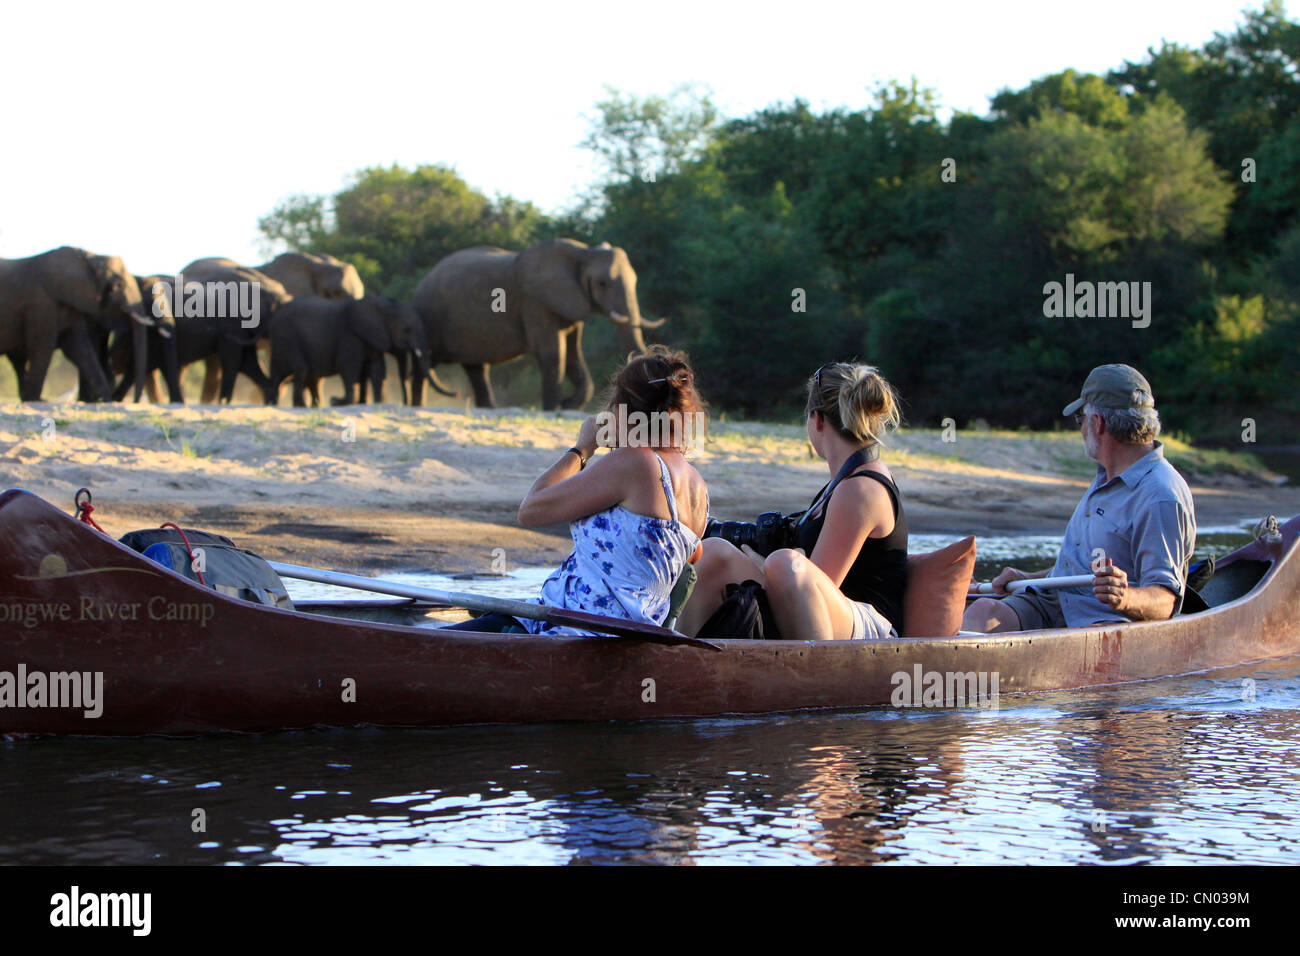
[
  {"x": 599, "y": 623},
  {"x": 1047, "y": 584}
]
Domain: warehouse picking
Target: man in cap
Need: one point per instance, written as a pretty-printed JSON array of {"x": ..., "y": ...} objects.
[{"x": 1133, "y": 531}]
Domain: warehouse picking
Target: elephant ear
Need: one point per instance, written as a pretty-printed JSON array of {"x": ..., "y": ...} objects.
[
  {"x": 366, "y": 322},
  {"x": 551, "y": 273},
  {"x": 103, "y": 275},
  {"x": 112, "y": 275}
]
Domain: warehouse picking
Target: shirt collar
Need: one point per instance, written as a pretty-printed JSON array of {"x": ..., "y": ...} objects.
[{"x": 1136, "y": 471}]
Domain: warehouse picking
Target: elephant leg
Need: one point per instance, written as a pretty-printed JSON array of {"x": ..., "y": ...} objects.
[
  {"x": 378, "y": 372},
  {"x": 417, "y": 385},
  {"x": 31, "y": 378},
  {"x": 119, "y": 393},
  {"x": 550, "y": 362},
  {"x": 250, "y": 366},
  {"x": 171, "y": 371},
  {"x": 353, "y": 368},
  {"x": 577, "y": 372},
  {"x": 76, "y": 344},
  {"x": 97, "y": 342},
  {"x": 229, "y": 370},
  {"x": 313, "y": 385},
  {"x": 211, "y": 381},
  {"x": 271, "y": 394},
  {"x": 402, "y": 375},
  {"x": 478, "y": 380},
  {"x": 349, "y": 396}
]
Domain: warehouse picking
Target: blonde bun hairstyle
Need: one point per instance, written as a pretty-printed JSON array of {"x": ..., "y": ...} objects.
[{"x": 856, "y": 400}]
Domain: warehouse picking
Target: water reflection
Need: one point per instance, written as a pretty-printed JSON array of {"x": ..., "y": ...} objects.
[{"x": 1174, "y": 771}]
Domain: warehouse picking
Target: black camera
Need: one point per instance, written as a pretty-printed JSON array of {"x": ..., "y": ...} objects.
[{"x": 770, "y": 532}]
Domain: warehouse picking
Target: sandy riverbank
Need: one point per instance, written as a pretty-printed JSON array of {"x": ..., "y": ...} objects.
[{"x": 387, "y": 487}]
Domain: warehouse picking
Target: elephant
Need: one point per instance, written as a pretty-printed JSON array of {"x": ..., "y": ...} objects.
[
  {"x": 119, "y": 357},
  {"x": 313, "y": 337},
  {"x": 485, "y": 305},
  {"x": 209, "y": 323},
  {"x": 301, "y": 274},
  {"x": 68, "y": 299}
]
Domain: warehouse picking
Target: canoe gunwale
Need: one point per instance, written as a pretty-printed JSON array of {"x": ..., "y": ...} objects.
[{"x": 269, "y": 668}]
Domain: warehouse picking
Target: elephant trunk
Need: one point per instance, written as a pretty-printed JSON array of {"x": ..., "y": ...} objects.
[
  {"x": 633, "y": 338},
  {"x": 631, "y": 324}
]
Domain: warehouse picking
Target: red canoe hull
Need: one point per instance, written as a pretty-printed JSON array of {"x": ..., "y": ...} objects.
[{"x": 177, "y": 658}]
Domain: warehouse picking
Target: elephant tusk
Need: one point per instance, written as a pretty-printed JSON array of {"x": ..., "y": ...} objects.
[
  {"x": 142, "y": 320},
  {"x": 163, "y": 330},
  {"x": 438, "y": 387},
  {"x": 620, "y": 319},
  {"x": 645, "y": 324}
]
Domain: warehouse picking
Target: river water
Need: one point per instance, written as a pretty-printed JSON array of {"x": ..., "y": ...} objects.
[{"x": 1203, "y": 768}]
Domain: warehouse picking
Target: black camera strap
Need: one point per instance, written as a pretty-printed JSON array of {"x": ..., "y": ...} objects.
[{"x": 851, "y": 464}]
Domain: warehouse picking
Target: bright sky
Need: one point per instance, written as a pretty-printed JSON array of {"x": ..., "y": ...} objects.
[{"x": 160, "y": 132}]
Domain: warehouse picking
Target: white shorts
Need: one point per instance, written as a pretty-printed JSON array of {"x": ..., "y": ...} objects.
[{"x": 870, "y": 623}]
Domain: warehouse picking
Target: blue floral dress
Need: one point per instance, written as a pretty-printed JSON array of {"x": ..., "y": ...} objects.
[{"x": 623, "y": 565}]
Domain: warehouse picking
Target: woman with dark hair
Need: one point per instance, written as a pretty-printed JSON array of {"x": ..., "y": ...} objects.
[
  {"x": 636, "y": 514},
  {"x": 845, "y": 578}
]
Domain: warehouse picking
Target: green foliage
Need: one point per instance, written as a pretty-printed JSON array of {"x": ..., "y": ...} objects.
[
  {"x": 1085, "y": 96},
  {"x": 640, "y": 138},
  {"x": 923, "y": 246},
  {"x": 1243, "y": 90},
  {"x": 394, "y": 224}
]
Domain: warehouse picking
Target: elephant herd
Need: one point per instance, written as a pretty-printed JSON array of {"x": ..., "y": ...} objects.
[{"x": 476, "y": 307}]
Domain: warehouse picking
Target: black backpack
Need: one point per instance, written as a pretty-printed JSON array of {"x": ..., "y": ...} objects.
[
  {"x": 744, "y": 615},
  {"x": 226, "y": 567}
]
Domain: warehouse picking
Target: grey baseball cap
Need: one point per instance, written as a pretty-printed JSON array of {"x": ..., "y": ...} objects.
[{"x": 1114, "y": 386}]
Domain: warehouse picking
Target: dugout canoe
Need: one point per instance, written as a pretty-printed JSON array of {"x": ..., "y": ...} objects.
[{"x": 172, "y": 657}]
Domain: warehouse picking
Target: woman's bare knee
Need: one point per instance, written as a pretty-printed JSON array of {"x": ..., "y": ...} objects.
[{"x": 990, "y": 615}]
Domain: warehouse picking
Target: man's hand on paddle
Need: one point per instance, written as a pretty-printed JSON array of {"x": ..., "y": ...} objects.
[{"x": 1110, "y": 584}]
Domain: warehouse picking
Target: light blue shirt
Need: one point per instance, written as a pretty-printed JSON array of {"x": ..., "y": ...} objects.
[{"x": 1143, "y": 520}]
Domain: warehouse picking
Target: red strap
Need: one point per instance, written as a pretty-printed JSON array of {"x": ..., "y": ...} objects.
[
  {"x": 188, "y": 549},
  {"x": 84, "y": 508}
]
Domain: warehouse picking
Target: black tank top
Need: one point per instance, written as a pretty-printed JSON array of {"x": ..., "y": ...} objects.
[{"x": 879, "y": 573}]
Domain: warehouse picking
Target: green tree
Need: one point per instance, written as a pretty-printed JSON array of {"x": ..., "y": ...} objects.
[{"x": 395, "y": 224}]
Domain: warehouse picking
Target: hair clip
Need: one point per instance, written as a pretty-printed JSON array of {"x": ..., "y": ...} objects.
[{"x": 679, "y": 377}]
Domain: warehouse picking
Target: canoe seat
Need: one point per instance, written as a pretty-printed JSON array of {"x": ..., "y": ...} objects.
[{"x": 1234, "y": 580}]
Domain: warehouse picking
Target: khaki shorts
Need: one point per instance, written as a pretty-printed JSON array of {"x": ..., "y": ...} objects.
[
  {"x": 1037, "y": 610},
  {"x": 868, "y": 622}
]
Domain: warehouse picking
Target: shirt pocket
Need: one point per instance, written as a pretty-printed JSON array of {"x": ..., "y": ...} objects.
[{"x": 1107, "y": 538}]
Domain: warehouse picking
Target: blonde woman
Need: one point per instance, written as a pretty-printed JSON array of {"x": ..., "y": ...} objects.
[{"x": 844, "y": 578}]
